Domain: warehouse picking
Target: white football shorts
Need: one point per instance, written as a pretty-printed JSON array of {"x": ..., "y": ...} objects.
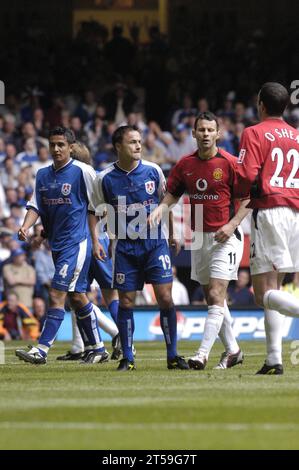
[
  {"x": 274, "y": 244},
  {"x": 217, "y": 260}
]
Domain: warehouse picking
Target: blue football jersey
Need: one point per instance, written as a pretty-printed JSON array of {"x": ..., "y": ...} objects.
[
  {"x": 61, "y": 198},
  {"x": 132, "y": 195}
]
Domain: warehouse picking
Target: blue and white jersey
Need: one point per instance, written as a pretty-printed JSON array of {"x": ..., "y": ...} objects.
[
  {"x": 132, "y": 194},
  {"x": 61, "y": 199}
]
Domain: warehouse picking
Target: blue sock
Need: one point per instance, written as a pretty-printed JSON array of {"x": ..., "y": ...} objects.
[
  {"x": 52, "y": 324},
  {"x": 126, "y": 326},
  {"x": 169, "y": 327},
  {"x": 113, "y": 309},
  {"x": 87, "y": 320},
  {"x": 83, "y": 336}
]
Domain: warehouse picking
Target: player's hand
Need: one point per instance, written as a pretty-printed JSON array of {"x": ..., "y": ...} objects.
[
  {"x": 175, "y": 245},
  {"x": 36, "y": 242},
  {"x": 23, "y": 234},
  {"x": 99, "y": 252},
  {"x": 155, "y": 217},
  {"x": 224, "y": 233}
]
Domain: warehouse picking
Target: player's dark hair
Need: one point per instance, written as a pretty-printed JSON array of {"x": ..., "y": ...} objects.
[
  {"x": 67, "y": 133},
  {"x": 275, "y": 98},
  {"x": 207, "y": 116},
  {"x": 118, "y": 135}
]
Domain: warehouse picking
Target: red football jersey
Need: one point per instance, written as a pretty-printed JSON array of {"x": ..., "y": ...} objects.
[
  {"x": 207, "y": 182},
  {"x": 268, "y": 165}
]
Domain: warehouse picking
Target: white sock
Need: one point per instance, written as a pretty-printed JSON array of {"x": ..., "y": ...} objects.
[
  {"x": 273, "y": 328},
  {"x": 77, "y": 343},
  {"x": 283, "y": 302},
  {"x": 226, "y": 333},
  {"x": 105, "y": 323},
  {"x": 212, "y": 326}
]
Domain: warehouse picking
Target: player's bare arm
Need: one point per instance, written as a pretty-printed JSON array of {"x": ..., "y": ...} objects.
[
  {"x": 30, "y": 219},
  {"x": 156, "y": 216},
  {"x": 97, "y": 249},
  {"x": 225, "y": 232}
]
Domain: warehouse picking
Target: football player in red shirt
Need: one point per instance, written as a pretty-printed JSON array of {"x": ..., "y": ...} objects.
[
  {"x": 208, "y": 176},
  {"x": 268, "y": 168}
]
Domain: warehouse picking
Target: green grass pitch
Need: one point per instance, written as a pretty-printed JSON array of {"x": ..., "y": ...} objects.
[{"x": 73, "y": 406}]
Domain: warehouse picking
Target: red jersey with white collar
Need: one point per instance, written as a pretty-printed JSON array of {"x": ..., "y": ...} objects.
[
  {"x": 268, "y": 165},
  {"x": 207, "y": 182}
]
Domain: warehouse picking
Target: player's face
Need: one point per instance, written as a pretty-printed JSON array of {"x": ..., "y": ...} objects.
[
  {"x": 206, "y": 134},
  {"x": 130, "y": 148},
  {"x": 59, "y": 149}
]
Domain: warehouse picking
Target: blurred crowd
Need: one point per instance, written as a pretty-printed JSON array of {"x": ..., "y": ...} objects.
[{"x": 102, "y": 84}]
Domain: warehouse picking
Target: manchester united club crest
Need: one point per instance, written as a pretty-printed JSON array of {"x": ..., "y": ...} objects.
[
  {"x": 120, "y": 278},
  {"x": 218, "y": 174},
  {"x": 66, "y": 189},
  {"x": 150, "y": 187}
]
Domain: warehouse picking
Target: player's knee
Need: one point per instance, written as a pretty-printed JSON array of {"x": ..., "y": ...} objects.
[
  {"x": 126, "y": 302},
  {"x": 76, "y": 300},
  {"x": 165, "y": 300},
  {"x": 57, "y": 298},
  {"x": 215, "y": 296},
  {"x": 259, "y": 299}
]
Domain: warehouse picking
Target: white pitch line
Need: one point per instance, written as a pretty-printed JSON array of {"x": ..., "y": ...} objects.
[{"x": 175, "y": 426}]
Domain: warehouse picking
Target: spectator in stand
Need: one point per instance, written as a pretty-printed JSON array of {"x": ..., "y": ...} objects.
[
  {"x": 182, "y": 145},
  {"x": 198, "y": 296},
  {"x": 186, "y": 109},
  {"x": 43, "y": 160},
  {"x": 44, "y": 266},
  {"x": 241, "y": 295},
  {"x": 39, "y": 311},
  {"x": 77, "y": 128},
  {"x": 9, "y": 129},
  {"x": 19, "y": 277},
  {"x": 39, "y": 121},
  {"x": 119, "y": 103},
  {"x": 2, "y": 150},
  {"x": 29, "y": 155},
  {"x": 153, "y": 152},
  {"x": 9, "y": 173},
  {"x": 87, "y": 108},
  {"x": 179, "y": 292},
  {"x": 12, "y": 313}
]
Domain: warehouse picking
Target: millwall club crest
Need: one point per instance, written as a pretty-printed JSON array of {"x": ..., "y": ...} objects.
[
  {"x": 150, "y": 187},
  {"x": 66, "y": 189},
  {"x": 120, "y": 278}
]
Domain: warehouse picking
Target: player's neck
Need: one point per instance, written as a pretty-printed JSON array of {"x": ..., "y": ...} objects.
[
  {"x": 266, "y": 117},
  {"x": 59, "y": 165},
  {"x": 207, "y": 154},
  {"x": 127, "y": 165}
]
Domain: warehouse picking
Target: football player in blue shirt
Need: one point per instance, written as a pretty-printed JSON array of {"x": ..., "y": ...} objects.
[
  {"x": 101, "y": 272},
  {"x": 60, "y": 199},
  {"x": 128, "y": 187}
]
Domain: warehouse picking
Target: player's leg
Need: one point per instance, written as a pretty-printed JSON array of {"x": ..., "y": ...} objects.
[
  {"x": 263, "y": 283},
  {"x": 168, "y": 323},
  {"x": 55, "y": 315},
  {"x": 77, "y": 347},
  {"x": 128, "y": 277},
  {"x": 232, "y": 354},
  {"x": 216, "y": 295},
  {"x": 112, "y": 301},
  {"x": 126, "y": 327}
]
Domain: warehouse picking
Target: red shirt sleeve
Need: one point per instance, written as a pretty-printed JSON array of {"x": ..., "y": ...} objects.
[
  {"x": 175, "y": 182},
  {"x": 248, "y": 163}
]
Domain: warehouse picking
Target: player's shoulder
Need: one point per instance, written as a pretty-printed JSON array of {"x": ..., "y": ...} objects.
[
  {"x": 147, "y": 166},
  {"x": 84, "y": 167},
  {"x": 226, "y": 156},
  {"x": 100, "y": 175},
  {"x": 44, "y": 171}
]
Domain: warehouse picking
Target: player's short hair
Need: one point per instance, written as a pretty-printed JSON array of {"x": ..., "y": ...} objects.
[
  {"x": 118, "y": 135},
  {"x": 207, "y": 116},
  {"x": 80, "y": 152},
  {"x": 65, "y": 131},
  {"x": 275, "y": 98}
]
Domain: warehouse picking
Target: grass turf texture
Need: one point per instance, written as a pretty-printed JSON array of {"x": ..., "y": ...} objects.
[{"x": 72, "y": 406}]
